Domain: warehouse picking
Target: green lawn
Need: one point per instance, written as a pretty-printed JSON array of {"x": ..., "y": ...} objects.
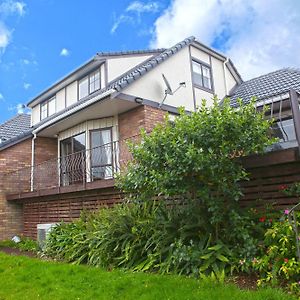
[{"x": 27, "y": 278}]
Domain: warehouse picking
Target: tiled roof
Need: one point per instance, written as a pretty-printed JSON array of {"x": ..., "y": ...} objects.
[
  {"x": 14, "y": 127},
  {"x": 130, "y": 76},
  {"x": 138, "y": 71},
  {"x": 267, "y": 86},
  {"x": 118, "y": 53}
]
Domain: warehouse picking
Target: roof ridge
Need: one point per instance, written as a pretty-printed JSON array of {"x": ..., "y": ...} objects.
[
  {"x": 126, "y": 78},
  {"x": 128, "y": 52}
]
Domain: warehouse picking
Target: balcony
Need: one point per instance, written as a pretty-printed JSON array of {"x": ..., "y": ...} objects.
[
  {"x": 83, "y": 170},
  {"x": 97, "y": 167}
]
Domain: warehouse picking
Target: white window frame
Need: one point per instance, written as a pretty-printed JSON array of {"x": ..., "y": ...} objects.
[
  {"x": 202, "y": 66},
  {"x": 91, "y": 81},
  {"x": 45, "y": 113}
]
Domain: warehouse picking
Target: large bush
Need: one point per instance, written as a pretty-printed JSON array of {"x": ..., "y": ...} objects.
[
  {"x": 196, "y": 157},
  {"x": 183, "y": 188}
]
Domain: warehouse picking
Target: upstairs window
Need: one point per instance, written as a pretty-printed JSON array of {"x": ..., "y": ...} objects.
[
  {"x": 202, "y": 75},
  {"x": 48, "y": 108},
  {"x": 83, "y": 87},
  {"x": 89, "y": 84},
  {"x": 94, "y": 81}
]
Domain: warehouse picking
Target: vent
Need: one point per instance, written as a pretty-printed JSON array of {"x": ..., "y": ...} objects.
[{"x": 43, "y": 231}]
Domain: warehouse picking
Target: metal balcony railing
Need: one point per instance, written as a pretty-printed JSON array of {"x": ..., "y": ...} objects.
[
  {"x": 98, "y": 163},
  {"x": 286, "y": 115}
]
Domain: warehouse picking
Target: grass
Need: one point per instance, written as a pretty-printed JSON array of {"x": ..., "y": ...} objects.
[{"x": 28, "y": 278}]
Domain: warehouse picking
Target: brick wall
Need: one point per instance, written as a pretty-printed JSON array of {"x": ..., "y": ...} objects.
[
  {"x": 11, "y": 159},
  {"x": 11, "y": 218},
  {"x": 45, "y": 149},
  {"x": 18, "y": 158},
  {"x": 131, "y": 123}
]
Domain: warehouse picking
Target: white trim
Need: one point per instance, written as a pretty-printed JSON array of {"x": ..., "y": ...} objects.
[
  {"x": 272, "y": 99},
  {"x": 73, "y": 110}
]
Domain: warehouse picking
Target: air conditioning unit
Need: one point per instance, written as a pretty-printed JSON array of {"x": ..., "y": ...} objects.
[{"x": 43, "y": 231}]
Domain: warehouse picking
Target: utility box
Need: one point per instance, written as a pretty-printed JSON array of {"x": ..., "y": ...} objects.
[{"x": 43, "y": 231}]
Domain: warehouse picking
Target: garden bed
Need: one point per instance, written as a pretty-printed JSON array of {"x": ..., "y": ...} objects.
[{"x": 17, "y": 252}]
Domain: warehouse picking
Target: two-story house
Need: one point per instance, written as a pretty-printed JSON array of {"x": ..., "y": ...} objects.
[{"x": 76, "y": 143}]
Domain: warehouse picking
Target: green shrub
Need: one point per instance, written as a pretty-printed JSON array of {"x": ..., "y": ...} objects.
[
  {"x": 196, "y": 161},
  {"x": 25, "y": 244},
  {"x": 278, "y": 264}
]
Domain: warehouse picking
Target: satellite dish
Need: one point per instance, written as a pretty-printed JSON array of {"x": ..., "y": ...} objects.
[{"x": 168, "y": 90}]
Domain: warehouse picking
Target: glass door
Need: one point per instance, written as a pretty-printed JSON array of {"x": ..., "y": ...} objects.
[
  {"x": 73, "y": 160},
  {"x": 101, "y": 154}
]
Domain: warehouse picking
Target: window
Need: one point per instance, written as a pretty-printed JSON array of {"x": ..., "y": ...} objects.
[
  {"x": 73, "y": 160},
  {"x": 48, "y": 108},
  {"x": 44, "y": 110},
  {"x": 94, "y": 81},
  {"x": 89, "y": 84},
  {"x": 51, "y": 107},
  {"x": 101, "y": 154},
  {"x": 83, "y": 87},
  {"x": 284, "y": 130},
  {"x": 202, "y": 75}
]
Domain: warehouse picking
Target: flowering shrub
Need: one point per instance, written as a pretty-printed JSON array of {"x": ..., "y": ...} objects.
[{"x": 278, "y": 264}]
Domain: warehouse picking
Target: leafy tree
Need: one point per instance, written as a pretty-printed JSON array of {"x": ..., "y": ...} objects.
[{"x": 197, "y": 158}]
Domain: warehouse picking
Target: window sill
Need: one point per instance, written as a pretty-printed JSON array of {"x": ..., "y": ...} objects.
[{"x": 203, "y": 88}]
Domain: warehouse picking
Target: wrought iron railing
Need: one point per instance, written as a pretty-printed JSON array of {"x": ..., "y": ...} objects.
[{"x": 98, "y": 163}]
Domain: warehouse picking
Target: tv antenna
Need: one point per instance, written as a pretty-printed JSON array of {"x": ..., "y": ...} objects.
[{"x": 168, "y": 90}]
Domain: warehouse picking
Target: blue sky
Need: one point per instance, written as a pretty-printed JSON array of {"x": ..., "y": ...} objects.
[{"x": 41, "y": 41}]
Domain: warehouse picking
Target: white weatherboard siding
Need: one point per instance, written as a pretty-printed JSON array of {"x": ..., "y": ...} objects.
[
  {"x": 60, "y": 100},
  {"x": 218, "y": 77},
  {"x": 35, "y": 115},
  {"x": 71, "y": 91},
  {"x": 176, "y": 69},
  {"x": 230, "y": 80},
  {"x": 91, "y": 125},
  {"x": 119, "y": 65},
  {"x": 102, "y": 76}
]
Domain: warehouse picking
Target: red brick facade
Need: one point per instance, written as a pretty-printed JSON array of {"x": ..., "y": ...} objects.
[
  {"x": 55, "y": 208},
  {"x": 131, "y": 122},
  {"x": 18, "y": 157}
]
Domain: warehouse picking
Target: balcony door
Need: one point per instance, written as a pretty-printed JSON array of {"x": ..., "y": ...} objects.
[
  {"x": 101, "y": 154},
  {"x": 73, "y": 160}
]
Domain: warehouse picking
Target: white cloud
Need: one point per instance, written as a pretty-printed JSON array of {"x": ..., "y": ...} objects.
[
  {"x": 140, "y": 7},
  {"x": 64, "y": 52},
  {"x": 1, "y": 97},
  {"x": 20, "y": 108},
  {"x": 25, "y": 61},
  {"x": 26, "y": 85},
  {"x": 5, "y": 36},
  {"x": 10, "y": 7},
  {"x": 119, "y": 20},
  {"x": 132, "y": 14},
  {"x": 259, "y": 36}
]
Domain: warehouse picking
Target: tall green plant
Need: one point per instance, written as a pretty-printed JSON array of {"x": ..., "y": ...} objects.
[{"x": 197, "y": 157}]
